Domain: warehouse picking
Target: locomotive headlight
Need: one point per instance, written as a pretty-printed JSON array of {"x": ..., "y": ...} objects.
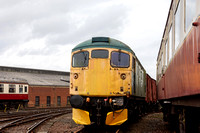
[
  {"x": 118, "y": 101},
  {"x": 123, "y": 76},
  {"x": 75, "y": 75}
]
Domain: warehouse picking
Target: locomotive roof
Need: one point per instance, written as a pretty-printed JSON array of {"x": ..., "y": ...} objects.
[{"x": 102, "y": 42}]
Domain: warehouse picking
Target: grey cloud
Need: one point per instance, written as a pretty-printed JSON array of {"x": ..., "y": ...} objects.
[
  {"x": 23, "y": 20},
  {"x": 48, "y": 50},
  {"x": 106, "y": 22}
]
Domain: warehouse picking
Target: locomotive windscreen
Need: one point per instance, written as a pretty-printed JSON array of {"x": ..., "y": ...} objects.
[
  {"x": 119, "y": 59},
  {"x": 80, "y": 59}
]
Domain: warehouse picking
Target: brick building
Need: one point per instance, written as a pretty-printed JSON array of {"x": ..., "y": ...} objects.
[{"x": 45, "y": 87}]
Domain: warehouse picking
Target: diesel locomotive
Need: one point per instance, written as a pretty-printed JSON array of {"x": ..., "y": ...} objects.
[
  {"x": 178, "y": 67},
  {"x": 107, "y": 83}
]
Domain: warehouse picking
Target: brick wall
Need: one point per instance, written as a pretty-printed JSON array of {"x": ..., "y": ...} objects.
[{"x": 44, "y": 91}]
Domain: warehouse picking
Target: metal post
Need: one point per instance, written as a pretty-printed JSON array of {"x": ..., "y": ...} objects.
[
  {"x": 5, "y": 108},
  {"x": 18, "y": 108}
]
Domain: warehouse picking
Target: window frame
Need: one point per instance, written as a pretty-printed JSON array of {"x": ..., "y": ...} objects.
[
  {"x": 177, "y": 26},
  {"x": 170, "y": 43},
  {"x": 48, "y": 101},
  {"x": 86, "y": 57},
  {"x": 37, "y": 102},
  {"x": 21, "y": 89},
  {"x": 100, "y": 50},
  {"x": 119, "y": 66},
  {"x": 25, "y": 89},
  {"x": 188, "y": 24},
  {"x": 13, "y": 87},
  {"x": 2, "y": 88},
  {"x": 59, "y": 101}
]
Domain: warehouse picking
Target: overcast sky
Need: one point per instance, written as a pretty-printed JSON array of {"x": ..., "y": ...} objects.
[{"x": 41, "y": 33}]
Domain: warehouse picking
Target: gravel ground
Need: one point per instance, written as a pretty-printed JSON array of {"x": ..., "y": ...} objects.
[
  {"x": 151, "y": 123},
  {"x": 62, "y": 124}
]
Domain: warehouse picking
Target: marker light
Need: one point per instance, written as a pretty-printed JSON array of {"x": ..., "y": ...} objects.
[
  {"x": 110, "y": 100},
  {"x": 75, "y": 75},
  {"x": 87, "y": 99},
  {"x": 123, "y": 76}
]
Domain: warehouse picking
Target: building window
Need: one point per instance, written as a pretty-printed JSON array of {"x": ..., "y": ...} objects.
[
  {"x": 12, "y": 88},
  {"x": 37, "y": 100},
  {"x": 48, "y": 101},
  {"x": 1, "y": 87},
  {"x": 177, "y": 26},
  {"x": 190, "y": 12},
  {"x": 25, "y": 89},
  {"x": 58, "y": 100},
  {"x": 68, "y": 100},
  {"x": 20, "y": 88}
]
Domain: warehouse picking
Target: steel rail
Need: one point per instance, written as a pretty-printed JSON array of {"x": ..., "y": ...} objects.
[{"x": 34, "y": 117}]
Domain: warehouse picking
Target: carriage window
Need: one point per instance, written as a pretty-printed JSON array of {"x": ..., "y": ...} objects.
[
  {"x": 166, "y": 53},
  {"x": 20, "y": 88},
  {"x": 1, "y": 87},
  {"x": 25, "y": 89},
  {"x": 80, "y": 59},
  {"x": 12, "y": 88},
  {"x": 119, "y": 59},
  {"x": 177, "y": 26},
  {"x": 99, "y": 54},
  {"x": 170, "y": 43},
  {"x": 190, "y": 12}
]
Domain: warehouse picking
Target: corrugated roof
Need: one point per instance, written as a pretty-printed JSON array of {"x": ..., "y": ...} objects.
[{"x": 34, "y": 77}]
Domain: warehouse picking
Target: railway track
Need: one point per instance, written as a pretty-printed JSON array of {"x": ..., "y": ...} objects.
[
  {"x": 35, "y": 119},
  {"x": 27, "y": 111},
  {"x": 96, "y": 129}
]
